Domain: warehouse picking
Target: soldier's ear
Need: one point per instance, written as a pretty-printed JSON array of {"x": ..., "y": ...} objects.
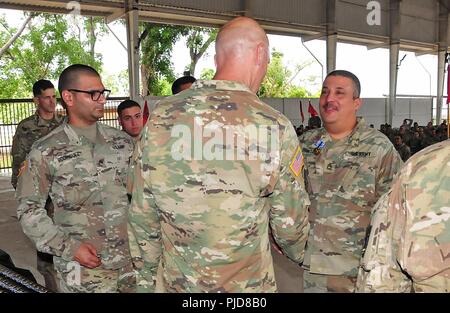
[
  {"x": 357, "y": 102},
  {"x": 67, "y": 96},
  {"x": 35, "y": 100}
]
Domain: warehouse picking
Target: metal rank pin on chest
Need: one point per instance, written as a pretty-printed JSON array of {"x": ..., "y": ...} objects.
[{"x": 319, "y": 145}]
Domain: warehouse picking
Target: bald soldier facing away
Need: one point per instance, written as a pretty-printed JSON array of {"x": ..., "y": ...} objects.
[
  {"x": 350, "y": 165},
  {"x": 217, "y": 167},
  {"x": 409, "y": 245}
]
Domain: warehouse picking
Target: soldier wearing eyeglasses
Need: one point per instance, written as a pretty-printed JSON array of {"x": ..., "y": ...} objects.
[
  {"x": 82, "y": 165},
  {"x": 28, "y": 131}
]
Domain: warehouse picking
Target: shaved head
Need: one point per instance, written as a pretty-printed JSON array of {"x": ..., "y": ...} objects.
[
  {"x": 242, "y": 52},
  {"x": 238, "y": 35}
]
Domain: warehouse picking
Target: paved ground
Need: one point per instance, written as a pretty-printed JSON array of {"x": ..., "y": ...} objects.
[{"x": 22, "y": 251}]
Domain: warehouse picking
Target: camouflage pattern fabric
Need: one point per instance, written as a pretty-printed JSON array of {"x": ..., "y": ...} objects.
[
  {"x": 409, "y": 244},
  {"x": 404, "y": 151},
  {"x": 202, "y": 225},
  {"x": 28, "y": 131},
  {"x": 318, "y": 283},
  {"x": 86, "y": 183},
  {"x": 122, "y": 280},
  {"x": 344, "y": 180}
]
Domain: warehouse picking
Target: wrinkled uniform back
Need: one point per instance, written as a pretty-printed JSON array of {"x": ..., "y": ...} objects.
[
  {"x": 214, "y": 213},
  {"x": 409, "y": 245}
]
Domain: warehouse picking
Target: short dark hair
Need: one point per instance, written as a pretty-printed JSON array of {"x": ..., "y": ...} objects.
[
  {"x": 125, "y": 105},
  {"x": 356, "y": 83},
  {"x": 315, "y": 121},
  {"x": 70, "y": 75},
  {"x": 40, "y": 86},
  {"x": 181, "y": 81}
]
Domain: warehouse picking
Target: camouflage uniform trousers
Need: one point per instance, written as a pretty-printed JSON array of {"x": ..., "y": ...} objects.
[
  {"x": 319, "y": 283},
  {"x": 45, "y": 261},
  {"x": 95, "y": 280}
]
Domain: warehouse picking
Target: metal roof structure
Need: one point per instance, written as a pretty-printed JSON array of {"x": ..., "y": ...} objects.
[{"x": 420, "y": 26}]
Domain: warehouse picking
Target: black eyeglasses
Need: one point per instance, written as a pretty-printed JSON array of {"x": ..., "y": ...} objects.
[{"x": 95, "y": 94}]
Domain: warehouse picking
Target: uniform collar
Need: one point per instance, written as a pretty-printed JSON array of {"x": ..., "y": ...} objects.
[
  {"x": 42, "y": 122},
  {"x": 220, "y": 85},
  {"x": 75, "y": 140},
  {"x": 353, "y": 139}
]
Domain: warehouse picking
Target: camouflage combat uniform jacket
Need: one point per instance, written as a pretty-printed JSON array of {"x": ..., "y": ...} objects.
[
  {"x": 29, "y": 131},
  {"x": 86, "y": 183},
  {"x": 409, "y": 245},
  {"x": 201, "y": 224},
  {"x": 344, "y": 181}
]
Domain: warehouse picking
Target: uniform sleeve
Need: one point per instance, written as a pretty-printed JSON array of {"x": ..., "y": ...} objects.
[
  {"x": 18, "y": 154},
  {"x": 143, "y": 226},
  {"x": 380, "y": 270},
  {"x": 289, "y": 201},
  {"x": 390, "y": 165},
  {"x": 32, "y": 193}
]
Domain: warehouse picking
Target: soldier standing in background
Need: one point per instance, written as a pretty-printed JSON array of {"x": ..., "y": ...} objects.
[
  {"x": 199, "y": 218},
  {"x": 29, "y": 130},
  {"x": 408, "y": 247},
  {"x": 82, "y": 165},
  {"x": 130, "y": 118},
  {"x": 349, "y": 166}
]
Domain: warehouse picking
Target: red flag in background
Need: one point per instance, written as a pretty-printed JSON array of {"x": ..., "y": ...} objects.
[
  {"x": 146, "y": 112},
  {"x": 311, "y": 110},
  {"x": 301, "y": 112}
]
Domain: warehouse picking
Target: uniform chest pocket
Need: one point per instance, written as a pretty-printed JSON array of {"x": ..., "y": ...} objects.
[
  {"x": 113, "y": 168},
  {"x": 73, "y": 183},
  {"x": 356, "y": 181}
]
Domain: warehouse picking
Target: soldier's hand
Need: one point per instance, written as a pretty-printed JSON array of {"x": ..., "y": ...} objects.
[{"x": 86, "y": 255}]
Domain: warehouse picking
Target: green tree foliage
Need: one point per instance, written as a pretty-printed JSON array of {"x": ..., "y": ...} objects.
[
  {"x": 42, "y": 51},
  {"x": 156, "y": 43},
  {"x": 278, "y": 82},
  {"x": 207, "y": 74},
  {"x": 198, "y": 41}
]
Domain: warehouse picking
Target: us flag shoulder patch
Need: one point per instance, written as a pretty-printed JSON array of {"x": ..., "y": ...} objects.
[
  {"x": 297, "y": 162},
  {"x": 23, "y": 167}
]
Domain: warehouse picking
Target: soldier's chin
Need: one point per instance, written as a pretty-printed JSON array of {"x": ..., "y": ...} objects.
[{"x": 99, "y": 113}]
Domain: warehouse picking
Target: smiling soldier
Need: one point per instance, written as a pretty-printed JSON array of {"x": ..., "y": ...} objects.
[{"x": 349, "y": 166}]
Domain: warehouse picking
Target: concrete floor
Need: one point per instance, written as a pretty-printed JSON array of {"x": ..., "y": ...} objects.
[{"x": 22, "y": 251}]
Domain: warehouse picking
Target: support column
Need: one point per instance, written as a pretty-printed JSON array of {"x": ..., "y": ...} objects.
[
  {"x": 394, "y": 48},
  {"x": 331, "y": 35},
  {"x": 249, "y": 7},
  {"x": 393, "y": 71},
  {"x": 442, "y": 51},
  {"x": 132, "y": 24}
]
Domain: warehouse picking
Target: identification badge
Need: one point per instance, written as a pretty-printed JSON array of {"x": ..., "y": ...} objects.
[{"x": 319, "y": 145}]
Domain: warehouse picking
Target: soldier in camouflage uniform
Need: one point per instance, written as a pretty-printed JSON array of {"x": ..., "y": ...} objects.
[
  {"x": 201, "y": 209},
  {"x": 408, "y": 247},
  {"x": 82, "y": 165},
  {"x": 35, "y": 126},
  {"x": 28, "y": 131},
  {"x": 402, "y": 149},
  {"x": 349, "y": 166}
]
